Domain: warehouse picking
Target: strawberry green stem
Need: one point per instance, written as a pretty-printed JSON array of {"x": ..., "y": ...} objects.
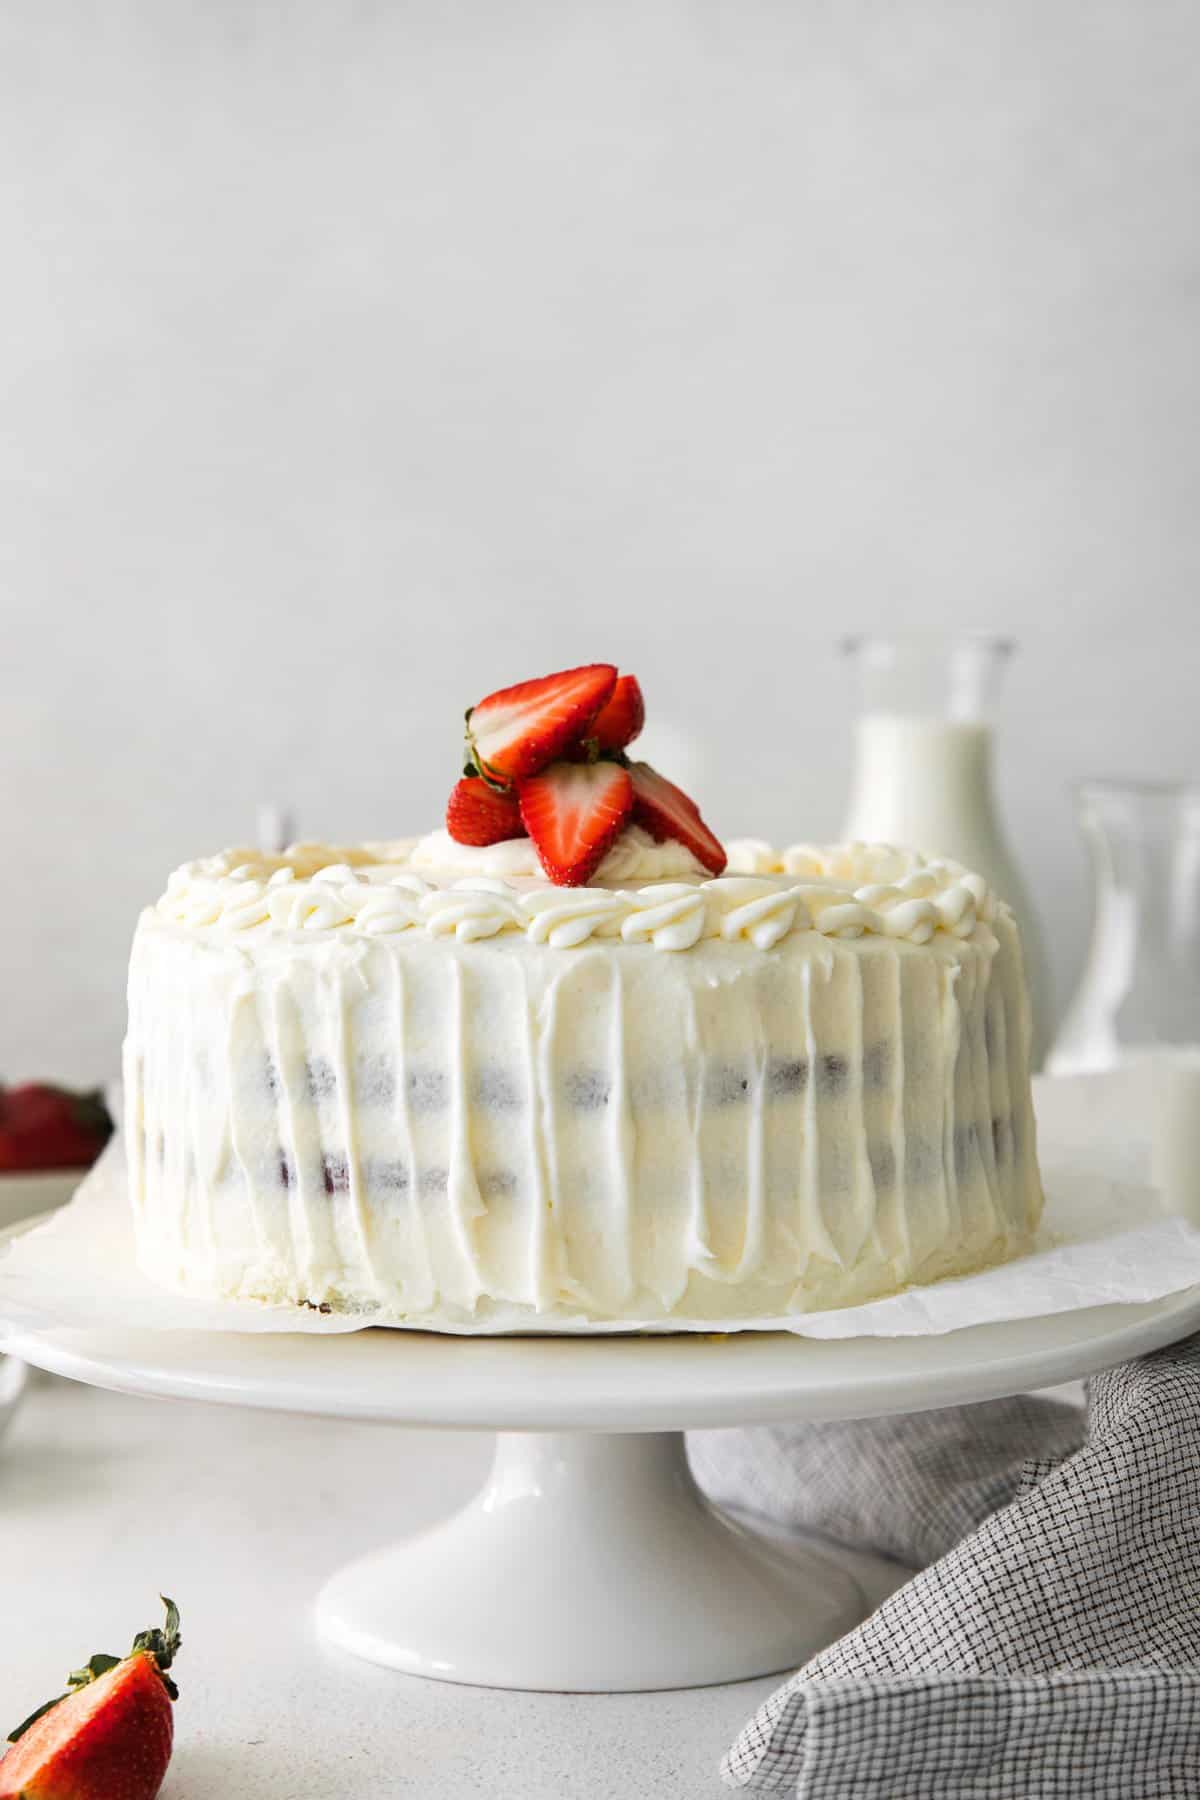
[{"x": 162, "y": 1643}]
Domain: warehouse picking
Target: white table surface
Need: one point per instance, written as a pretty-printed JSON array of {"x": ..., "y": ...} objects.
[{"x": 108, "y": 1500}]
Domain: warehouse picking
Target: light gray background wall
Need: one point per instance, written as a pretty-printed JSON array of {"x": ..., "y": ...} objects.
[{"x": 355, "y": 358}]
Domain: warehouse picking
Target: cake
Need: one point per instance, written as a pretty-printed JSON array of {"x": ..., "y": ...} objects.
[{"x": 586, "y": 1069}]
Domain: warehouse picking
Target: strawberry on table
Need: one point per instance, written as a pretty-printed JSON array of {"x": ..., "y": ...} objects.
[
  {"x": 109, "y": 1737},
  {"x": 46, "y": 1127},
  {"x": 574, "y": 812},
  {"x": 518, "y": 730},
  {"x": 479, "y": 813},
  {"x": 621, "y": 718},
  {"x": 667, "y": 812}
]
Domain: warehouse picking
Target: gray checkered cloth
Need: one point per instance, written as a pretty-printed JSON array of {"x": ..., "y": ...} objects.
[{"x": 1052, "y": 1653}]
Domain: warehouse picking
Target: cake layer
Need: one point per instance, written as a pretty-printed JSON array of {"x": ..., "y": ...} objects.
[{"x": 357, "y": 1081}]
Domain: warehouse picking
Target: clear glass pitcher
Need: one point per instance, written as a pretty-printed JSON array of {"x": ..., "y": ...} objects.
[
  {"x": 1137, "y": 1007},
  {"x": 1140, "y": 991},
  {"x": 923, "y": 769}
]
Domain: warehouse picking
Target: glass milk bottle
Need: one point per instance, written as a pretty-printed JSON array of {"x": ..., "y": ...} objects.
[
  {"x": 923, "y": 770},
  {"x": 1137, "y": 1007}
]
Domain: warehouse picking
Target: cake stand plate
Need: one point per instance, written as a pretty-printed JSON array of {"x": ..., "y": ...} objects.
[{"x": 591, "y": 1561}]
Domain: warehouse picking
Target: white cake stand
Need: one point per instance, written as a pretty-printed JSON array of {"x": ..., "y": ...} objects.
[{"x": 590, "y": 1561}]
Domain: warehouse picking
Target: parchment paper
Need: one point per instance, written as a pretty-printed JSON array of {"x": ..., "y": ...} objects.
[{"x": 1103, "y": 1240}]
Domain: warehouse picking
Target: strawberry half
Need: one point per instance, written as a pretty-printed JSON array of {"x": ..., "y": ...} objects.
[
  {"x": 109, "y": 1737},
  {"x": 621, "y": 719},
  {"x": 667, "y": 812},
  {"x": 478, "y": 813},
  {"x": 518, "y": 730},
  {"x": 573, "y": 812}
]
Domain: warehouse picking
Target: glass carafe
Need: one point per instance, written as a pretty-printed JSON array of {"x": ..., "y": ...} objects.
[
  {"x": 1140, "y": 990},
  {"x": 1137, "y": 1008},
  {"x": 923, "y": 769}
]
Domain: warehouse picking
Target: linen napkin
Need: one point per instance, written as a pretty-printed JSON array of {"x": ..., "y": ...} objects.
[{"x": 1053, "y": 1651}]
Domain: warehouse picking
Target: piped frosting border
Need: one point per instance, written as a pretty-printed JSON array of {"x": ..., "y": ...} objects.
[{"x": 370, "y": 890}]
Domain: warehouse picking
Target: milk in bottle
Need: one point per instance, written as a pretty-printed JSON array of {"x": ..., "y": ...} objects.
[{"x": 923, "y": 771}]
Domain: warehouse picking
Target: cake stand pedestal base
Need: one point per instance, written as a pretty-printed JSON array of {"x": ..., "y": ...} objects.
[{"x": 589, "y": 1562}]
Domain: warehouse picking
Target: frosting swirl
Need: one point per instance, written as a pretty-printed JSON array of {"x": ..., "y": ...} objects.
[
  {"x": 564, "y": 917},
  {"x": 634, "y": 857},
  {"x": 671, "y": 917},
  {"x": 839, "y": 891}
]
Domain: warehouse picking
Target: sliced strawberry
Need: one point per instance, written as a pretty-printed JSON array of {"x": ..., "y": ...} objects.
[
  {"x": 573, "y": 812},
  {"x": 110, "y": 1737},
  {"x": 667, "y": 812},
  {"x": 109, "y": 1741},
  {"x": 518, "y": 730},
  {"x": 478, "y": 813},
  {"x": 621, "y": 719}
]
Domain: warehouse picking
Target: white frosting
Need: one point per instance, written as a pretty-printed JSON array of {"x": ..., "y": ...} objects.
[
  {"x": 356, "y": 1084},
  {"x": 839, "y": 891},
  {"x": 634, "y": 857}
]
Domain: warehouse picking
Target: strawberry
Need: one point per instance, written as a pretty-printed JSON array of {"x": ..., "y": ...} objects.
[
  {"x": 621, "y": 719},
  {"x": 45, "y": 1127},
  {"x": 478, "y": 813},
  {"x": 573, "y": 812},
  {"x": 667, "y": 812},
  {"x": 109, "y": 1737},
  {"x": 518, "y": 730}
]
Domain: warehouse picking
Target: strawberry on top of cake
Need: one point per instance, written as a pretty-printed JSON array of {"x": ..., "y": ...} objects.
[{"x": 547, "y": 760}]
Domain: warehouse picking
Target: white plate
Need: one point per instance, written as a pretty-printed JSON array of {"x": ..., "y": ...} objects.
[
  {"x": 21, "y": 1195},
  {"x": 13, "y": 1378},
  {"x": 40, "y": 1192}
]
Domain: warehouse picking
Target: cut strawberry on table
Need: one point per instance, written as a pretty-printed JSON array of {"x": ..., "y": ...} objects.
[
  {"x": 479, "y": 813},
  {"x": 46, "y": 1127},
  {"x": 574, "y": 812},
  {"x": 518, "y": 730},
  {"x": 667, "y": 812},
  {"x": 109, "y": 1737},
  {"x": 621, "y": 718}
]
